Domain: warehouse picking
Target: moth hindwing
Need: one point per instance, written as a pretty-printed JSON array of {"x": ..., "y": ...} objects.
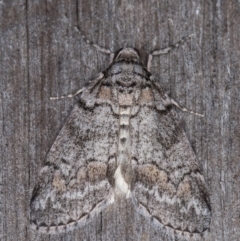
[{"x": 122, "y": 139}]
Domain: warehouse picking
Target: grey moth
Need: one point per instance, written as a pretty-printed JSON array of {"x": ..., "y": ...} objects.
[{"x": 122, "y": 139}]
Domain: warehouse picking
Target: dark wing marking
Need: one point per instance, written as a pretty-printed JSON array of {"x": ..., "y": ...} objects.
[
  {"x": 75, "y": 182},
  {"x": 168, "y": 184}
]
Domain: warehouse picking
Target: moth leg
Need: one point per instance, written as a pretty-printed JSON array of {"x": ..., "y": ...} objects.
[
  {"x": 67, "y": 96},
  {"x": 99, "y": 77},
  {"x": 165, "y": 50},
  {"x": 184, "y": 109},
  {"x": 97, "y": 47}
]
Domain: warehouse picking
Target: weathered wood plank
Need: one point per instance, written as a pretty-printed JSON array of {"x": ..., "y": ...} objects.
[{"x": 42, "y": 56}]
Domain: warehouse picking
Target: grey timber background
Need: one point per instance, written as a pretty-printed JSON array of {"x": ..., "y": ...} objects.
[{"x": 43, "y": 56}]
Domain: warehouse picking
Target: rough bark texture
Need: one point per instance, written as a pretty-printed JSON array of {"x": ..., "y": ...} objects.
[{"x": 43, "y": 56}]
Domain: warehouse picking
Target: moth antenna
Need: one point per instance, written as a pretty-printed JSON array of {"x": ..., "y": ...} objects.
[
  {"x": 184, "y": 109},
  {"x": 165, "y": 50},
  {"x": 67, "y": 96},
  {"x": 97, "y": 47}
]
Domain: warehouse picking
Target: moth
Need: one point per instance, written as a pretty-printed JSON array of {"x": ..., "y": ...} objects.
[{"x": 123, "y": 139}]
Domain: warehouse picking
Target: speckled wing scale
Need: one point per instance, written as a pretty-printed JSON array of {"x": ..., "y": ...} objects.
[{"x": 123, "y": 139}]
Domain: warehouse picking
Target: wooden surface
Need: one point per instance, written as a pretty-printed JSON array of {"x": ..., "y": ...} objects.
[{"x": 43, "y": 56}]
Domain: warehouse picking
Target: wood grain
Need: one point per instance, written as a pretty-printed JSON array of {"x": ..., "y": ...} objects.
[{"x": 43, "y": 56}]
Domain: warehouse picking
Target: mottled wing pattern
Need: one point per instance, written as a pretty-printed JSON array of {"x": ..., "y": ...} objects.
[
  {"x": 124, "y": 140},
  {"x": 75, "y": 182},
  {"x": 168, "y": 183}
]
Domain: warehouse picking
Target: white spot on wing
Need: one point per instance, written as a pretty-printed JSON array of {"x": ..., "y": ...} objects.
[{"x": 121, "y": 184}]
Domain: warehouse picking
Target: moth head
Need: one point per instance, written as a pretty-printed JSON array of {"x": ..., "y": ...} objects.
[{"x": 128, "y": 54}]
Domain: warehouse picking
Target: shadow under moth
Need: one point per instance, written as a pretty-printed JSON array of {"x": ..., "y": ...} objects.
[{"x": 122, "y": 139}]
